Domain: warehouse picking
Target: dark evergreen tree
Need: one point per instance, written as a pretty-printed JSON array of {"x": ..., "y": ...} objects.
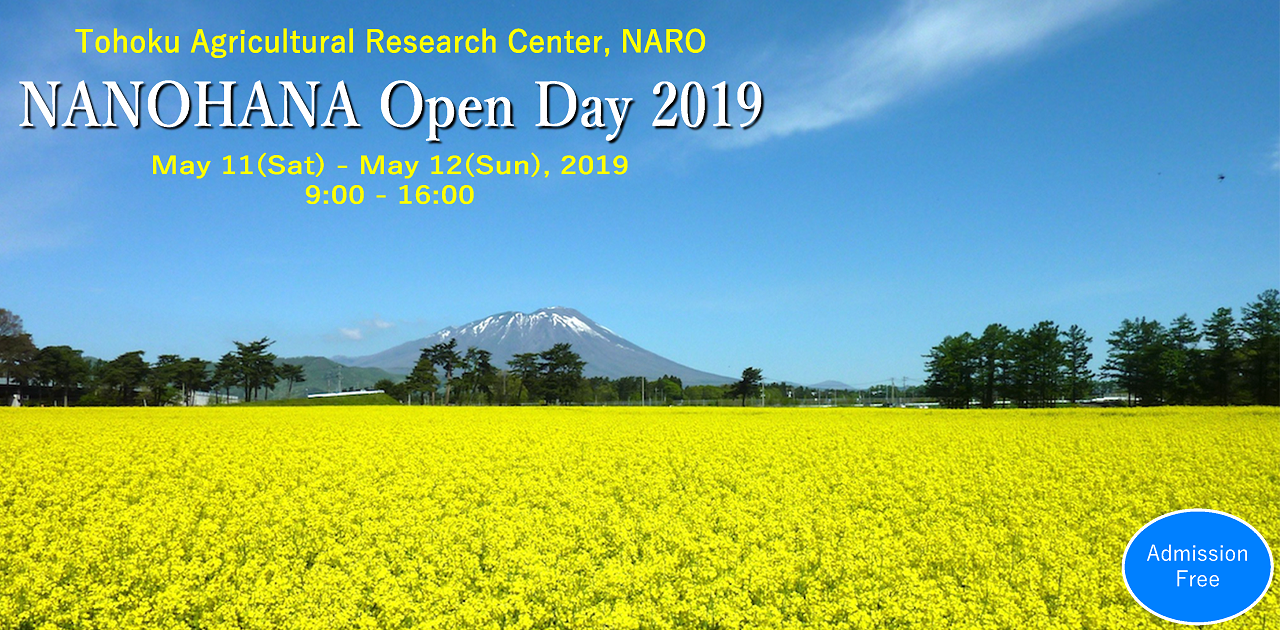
[
  {"x": 560, "y": 374},
  {"x": 1260, "y": 325},
  {"x": 226, "y": 374},
  {"x": 291, "y": 373},
  {"x": 1136, "y": 360},
  {"x": 993, "y": 357},
  {"x": 192, "y": 376},
  {"x": 1017, "y": 374},
  {"x": 423, "y": 380},
  {"x": 256, "y": 367},
  {"x": 479, "y": 375},
  {"x": 445, "y": 355},
  {"x": 1078, "y": 377},
  {"x": 123, "y": 375},
  {"x": 630, "y": 388},
  {"x": 160, "y": 377},
  {"x": 62, "y": 367},
  {"x": 951, "y": 368},
  {"x": 1045, "y": 362},
  {"x": 17, "y": 351},
  {"x": 1221, "y": 366},
  {"x": 748, "y": 386},
  {"x": 1180, "y": 362},
  {"x": 525, "y": 365}
]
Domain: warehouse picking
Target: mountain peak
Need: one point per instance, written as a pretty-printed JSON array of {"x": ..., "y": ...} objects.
[{"x": 514, "y": 322}]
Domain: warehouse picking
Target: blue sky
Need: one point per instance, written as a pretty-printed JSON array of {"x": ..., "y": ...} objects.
[{"x": 921, "y": 169}]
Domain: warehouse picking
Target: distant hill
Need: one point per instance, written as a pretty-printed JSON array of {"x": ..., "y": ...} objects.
[
  {"x": 322, "y": 376},
  {"x": 510, "y": 333}
]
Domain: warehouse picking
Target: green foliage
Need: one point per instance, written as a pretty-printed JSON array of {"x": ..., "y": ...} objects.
[
  {"x": 423, "y": 380},
  {"x": 1156, "y": 364},
  {"x": 479, "y": 376},
  {"x": 1221, "y": 363},
  {"x": 630, "y": 388},
  {"x": 1027, "y": 368},
  {"x": 1075, "y": 346},
  {"x": 526, "y": 365},
  {"x": 666, "y": 390},
  {"x": 291, "y": 373},
  {"x": 1260, "y": 327},
  {"x": 121, "y": 377},
  {"x": 62, "y": 367},
  {"x": 162, "y": 374},
  {"x": 559, "y": 374},
  {"x": 191, "y": 376},
  {"x": 17, "y": 351},
  {"x": 1222, "y": 358},
  {"x": 951, "y": 366},
  {"x": 993, "y": 357},
  {"x": 1181, "y": 362},
  {"x": 1045, "y": 362},
  {"x": 226, "y": 373},
  {"x": 706, "y": 392},
  {"x": 602, "y": 389},
  {"x": 255, "y": 368},
  {"x": 445, "y": 355},
  {"x": 748, "y": 386}
]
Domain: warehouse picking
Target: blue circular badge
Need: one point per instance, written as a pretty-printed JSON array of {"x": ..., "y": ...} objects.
[{"x": 1197, "y": 567}]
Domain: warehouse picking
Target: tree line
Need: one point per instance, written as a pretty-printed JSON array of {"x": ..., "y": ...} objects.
[
  {"x": 552, "y": 376},
  {"x": 62, "y": 374},
  {"x": 443, "y": 375},
  {"x": 1221, "y": 362}
]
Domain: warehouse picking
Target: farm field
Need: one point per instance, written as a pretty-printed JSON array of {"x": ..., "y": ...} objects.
[{"x": 427, "y": 517}]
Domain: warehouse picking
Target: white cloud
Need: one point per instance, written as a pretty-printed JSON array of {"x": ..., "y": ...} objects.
[
  {"x": 925, "y": 44},
  {"x": 365, "y": 329}
]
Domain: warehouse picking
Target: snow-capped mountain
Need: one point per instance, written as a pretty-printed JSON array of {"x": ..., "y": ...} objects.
[{"x": 507, "y": 334}]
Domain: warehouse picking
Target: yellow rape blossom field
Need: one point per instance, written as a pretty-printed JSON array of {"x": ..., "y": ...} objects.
[{"x": 416, "y": 517}]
